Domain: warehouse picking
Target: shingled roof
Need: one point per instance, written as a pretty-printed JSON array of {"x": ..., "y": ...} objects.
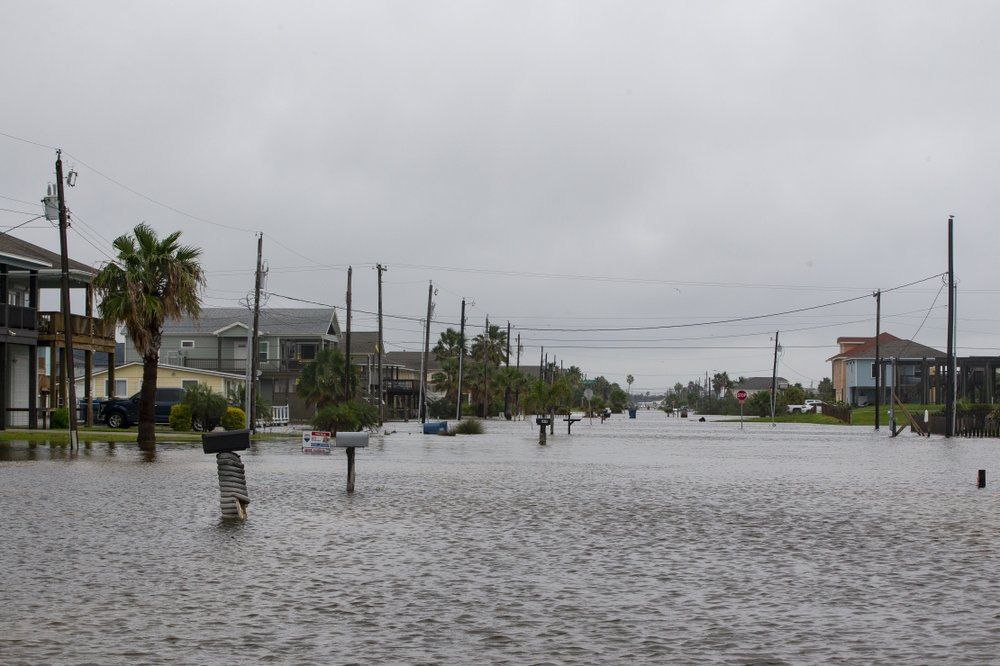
[
  {"x": 273, "y": 321},
  {"x": 22, "y": 248},
  {"x": 889, "y": 347}
]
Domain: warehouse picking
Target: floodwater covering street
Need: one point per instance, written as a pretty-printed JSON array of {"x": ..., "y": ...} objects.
[{"x": 649, "y": 540}]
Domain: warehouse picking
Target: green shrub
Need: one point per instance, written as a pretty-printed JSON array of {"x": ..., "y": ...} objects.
[
  {"x": 207, "y": 406},
  {"x": 346, "y": 417},
  {"x": 470, "y": 427},
  {"x": 60, "y": 418},
  {"x": 180, "y": 417},
  {"x": 234, "y": 419}
]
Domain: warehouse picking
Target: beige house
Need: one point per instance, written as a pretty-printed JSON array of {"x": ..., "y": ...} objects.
[{"x": 128, "y": 379}]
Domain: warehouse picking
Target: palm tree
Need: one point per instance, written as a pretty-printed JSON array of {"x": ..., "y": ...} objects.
[
  {"x": 628, "y": 380},
  {"x": 322, "y": 380},
  {"x": 152, "y": 279},
  {"x": 448, "y": 345}
]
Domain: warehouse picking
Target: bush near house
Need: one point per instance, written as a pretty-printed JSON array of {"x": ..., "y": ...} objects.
[
  {"x": 207, "y": 407},
  {"x": 234, "y": 419},
  {"x": 59, "y": 419},
  {"x": 180, "y": 417},
  {"x": 346, "y": 416}
]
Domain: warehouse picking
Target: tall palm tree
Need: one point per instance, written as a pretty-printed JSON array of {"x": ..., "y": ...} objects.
[
  {"x": 628, "y": 380},
  {"x": 151, "y": 280}
]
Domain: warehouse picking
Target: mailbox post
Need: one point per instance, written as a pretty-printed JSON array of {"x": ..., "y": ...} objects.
[
  {"x": 542, "y": 422},
  {"x": 233, "y": 494},
  {"x": 351, "y": 441}
]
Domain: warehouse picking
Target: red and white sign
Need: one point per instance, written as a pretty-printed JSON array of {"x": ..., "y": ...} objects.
[
  {"x": 316, "y": 442},
  {"x": 741, "y": 395}
]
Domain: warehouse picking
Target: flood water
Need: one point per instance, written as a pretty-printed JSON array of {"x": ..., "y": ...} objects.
[{"x": 654, "y": 540}]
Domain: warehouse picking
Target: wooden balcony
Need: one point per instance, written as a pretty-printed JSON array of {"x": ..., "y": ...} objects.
[{"x": 90, "y": 333}]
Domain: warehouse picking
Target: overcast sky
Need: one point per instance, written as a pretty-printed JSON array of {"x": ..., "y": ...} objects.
[{"x": 716, "y": 159}]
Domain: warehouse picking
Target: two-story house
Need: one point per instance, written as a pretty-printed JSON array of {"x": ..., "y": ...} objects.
[
  {"x": 33, "y": 341},
  {"x": 914, "y": 372},
  {"x": 219, "y": 340},
  {"x": 400, "y": 372}
]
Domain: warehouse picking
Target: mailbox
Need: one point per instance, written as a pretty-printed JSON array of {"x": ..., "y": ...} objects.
[
  {"x": 222, "y": 442},
  {"x": 346, "y": 440},
  {"x": 543, "y": 420}
]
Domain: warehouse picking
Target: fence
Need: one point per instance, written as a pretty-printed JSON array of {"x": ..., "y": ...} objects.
[
  {"x": 838, "y": 412},
  {"x": 967, "y": 426}
]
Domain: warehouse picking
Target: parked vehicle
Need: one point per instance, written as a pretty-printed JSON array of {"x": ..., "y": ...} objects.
[
  {"x": 801, "y": 409},
  {"x": 123, "y": 412}
]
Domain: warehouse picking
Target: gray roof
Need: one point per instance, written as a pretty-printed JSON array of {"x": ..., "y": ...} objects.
[
  {"x": 410, "y": 359},
  {"x": 362, "y": 342},
  {"x": 273, "y": 321},
  {"x": 759, "y": 383},
  {"x": 16, "y": 246}
]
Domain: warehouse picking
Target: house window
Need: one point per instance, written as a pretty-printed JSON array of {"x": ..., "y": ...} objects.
[
  {"x": 187, "y": 344},
  {"x": 307, "y": 352},
  {"x": 121, "y": 387},
  {"x": 262, "y": 350},
  {"x": 189, "y": 383}
]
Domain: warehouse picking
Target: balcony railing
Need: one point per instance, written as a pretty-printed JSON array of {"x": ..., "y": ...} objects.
[
  {"x": 17, "y": 316},
  {"x": 54, "y": 324},
  {"x": 401, "y": 386},
  {"x": 232, "y": 365}
]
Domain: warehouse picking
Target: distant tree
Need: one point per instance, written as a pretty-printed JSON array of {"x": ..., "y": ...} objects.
[
  {"x": 826, "y": 391},
  {"x": 794, "y": 395},
  {"x": 721, "y": 382},
  {"x": 628, "y": 380},
  {"x": 322, "y": 380},
  {"x": 448, "y": 345}
]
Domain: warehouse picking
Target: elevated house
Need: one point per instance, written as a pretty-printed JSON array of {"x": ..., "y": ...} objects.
[
  {"x": 400, "y": 371},
  {"x": 219, "y": 341},
  {"x": 915, "y": 372},
  {"x": 33, "y": 340}
]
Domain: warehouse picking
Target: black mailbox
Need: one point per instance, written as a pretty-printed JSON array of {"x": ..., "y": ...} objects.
[
  {"x": 543, "y": 420},
  {"x": 228, "y": 440}
]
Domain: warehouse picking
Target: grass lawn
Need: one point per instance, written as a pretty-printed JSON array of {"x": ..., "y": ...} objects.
[
  {"x": 866, "y": 415},
  {"x": 101, "y": 434},
  {"x": 822, "y": 419}
]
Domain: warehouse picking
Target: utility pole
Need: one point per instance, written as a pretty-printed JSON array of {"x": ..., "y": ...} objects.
[
  {"x": 506, "y": 392},
  {"x": 541, "y": 364},
  {"x": 426, "y": 357},
  {"x": 486, "y": 369},
  {"x": 949, "y": 407},
  {"x": 347, "y": 341},
  {"x": 774, "y": 376},
  {"x": 67, "y": 315},
  {"x": 461, "y": 358},
  {"x": 255, "y": 346},
  {"x": 877, "y": 368},
  {"x": 381, "y": 387},
  {"x": 517, "y": 391}
]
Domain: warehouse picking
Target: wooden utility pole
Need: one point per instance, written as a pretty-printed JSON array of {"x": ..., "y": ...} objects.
[
  {"x": 381, "y": 387},
  {"x": 255, "y": 351},
  {"x": 774, "y": 377},
  {"x": 347, "y": 341},
  {"x": 877, "y": 368},
  {"x": 461, "y": 358},
  {"x": 66, "y": 312},
  {"x": 517, "y": 391},
  {"x": 486, "y": 369},
  {"x": 949, "y": 406},
  {"x": 506, "y": 392},
  {"x": 427, "y": 351}
]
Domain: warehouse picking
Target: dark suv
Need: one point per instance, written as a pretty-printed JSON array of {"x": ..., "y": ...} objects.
[{"x": 123, "y": 412}]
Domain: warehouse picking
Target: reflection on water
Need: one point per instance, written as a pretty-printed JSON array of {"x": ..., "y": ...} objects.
[{"x": 646, "y": 541}]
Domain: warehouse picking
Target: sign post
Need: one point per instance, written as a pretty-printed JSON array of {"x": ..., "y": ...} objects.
[
  {"x": 741, "y": 395},
  {"x": 588, "y": 394}
]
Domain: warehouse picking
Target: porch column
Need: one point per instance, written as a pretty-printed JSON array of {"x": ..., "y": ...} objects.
[
  {"x": 4, "y": 396},
  {"x": 88, "y": 359},
  {"x": 111, "y": 375},
  {"x": 33, "y": 289},
  {"x": 33, "y": 387},
  {"x": 988, "y": 380},
  {"x": 63, "y": 376},
  {"x": 924, "y": 382},
  {"x": 219, "y": 355}
]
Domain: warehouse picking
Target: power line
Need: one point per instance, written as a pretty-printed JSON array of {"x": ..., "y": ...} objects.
[{"x": 732, "y": 319}]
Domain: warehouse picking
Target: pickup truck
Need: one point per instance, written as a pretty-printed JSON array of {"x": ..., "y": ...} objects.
[
  {"x": 811, "y": 405},
  {"x": 123, "y": 412}
]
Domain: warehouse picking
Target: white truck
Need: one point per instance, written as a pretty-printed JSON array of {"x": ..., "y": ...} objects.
[{"x": 808, "y": 406}]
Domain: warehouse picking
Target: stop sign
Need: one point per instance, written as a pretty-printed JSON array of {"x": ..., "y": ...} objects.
[{"x": 741, "y": 395}]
